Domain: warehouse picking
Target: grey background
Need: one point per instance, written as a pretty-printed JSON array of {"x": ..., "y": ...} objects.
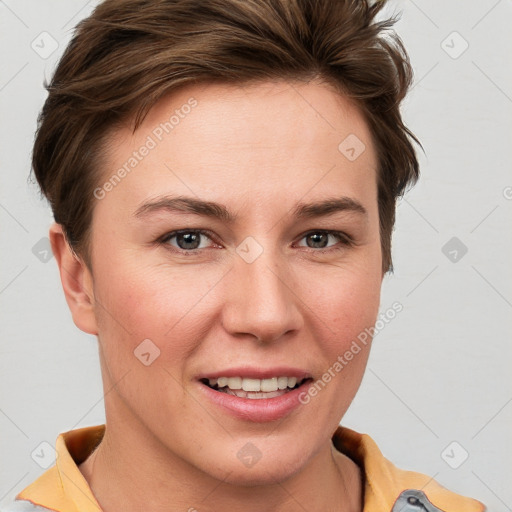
[{"x": 439, "y": 372}]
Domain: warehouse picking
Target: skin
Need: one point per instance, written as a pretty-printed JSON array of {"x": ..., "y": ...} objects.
[{"x": 259, "y": 150}]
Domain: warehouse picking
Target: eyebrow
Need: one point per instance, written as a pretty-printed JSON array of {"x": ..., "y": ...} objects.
[{"x": 211, "y": 209}]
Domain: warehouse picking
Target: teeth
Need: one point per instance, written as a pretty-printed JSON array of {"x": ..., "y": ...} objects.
[
  {"x": 234, "y": 383},
  {"x": 255, "y": 395},
  {"x": 268, "y": 385},
  {"x": 282, "y": 382},
  {"x": 254, "y": 385},
  {"x": 251, "y": 384}
]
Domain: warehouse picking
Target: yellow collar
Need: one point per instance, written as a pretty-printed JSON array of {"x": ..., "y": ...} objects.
[
  {"x": 384, "y": 482},
  {"x": 63, "y": 488}
]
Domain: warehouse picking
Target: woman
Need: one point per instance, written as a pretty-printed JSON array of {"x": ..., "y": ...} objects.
[{"x": 223, "y": 177}]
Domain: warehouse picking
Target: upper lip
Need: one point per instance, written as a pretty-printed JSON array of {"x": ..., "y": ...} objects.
[{"x": 251, "y": 372}]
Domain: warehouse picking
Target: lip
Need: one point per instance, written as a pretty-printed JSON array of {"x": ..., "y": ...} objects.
[
  {"x": 258, "y": 373},
  {"x": 260, "y": 410}
]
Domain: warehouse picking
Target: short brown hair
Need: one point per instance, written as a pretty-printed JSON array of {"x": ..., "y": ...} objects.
[{"x": 129, "y": 53}]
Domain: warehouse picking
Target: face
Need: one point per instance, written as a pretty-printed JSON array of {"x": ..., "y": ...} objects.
[{"x": 243, "y": 245}]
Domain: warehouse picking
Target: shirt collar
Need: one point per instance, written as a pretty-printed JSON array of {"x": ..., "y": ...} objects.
[
  {"x": 384, "y": 482},
  {"x": 63, "y": 488}
]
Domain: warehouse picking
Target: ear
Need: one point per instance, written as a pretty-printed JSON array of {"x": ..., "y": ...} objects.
[{"x": 76, "y": 280}]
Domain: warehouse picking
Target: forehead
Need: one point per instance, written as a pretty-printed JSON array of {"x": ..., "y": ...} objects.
[{"x": 244, "y": 143}]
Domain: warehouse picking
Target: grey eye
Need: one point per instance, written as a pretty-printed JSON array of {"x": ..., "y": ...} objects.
[
  {"x": 187, "y": 240},
  {"x": 318, "y": 240}
]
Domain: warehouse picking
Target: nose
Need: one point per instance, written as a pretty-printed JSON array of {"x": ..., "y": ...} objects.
[{"x": 260, "y": 300}]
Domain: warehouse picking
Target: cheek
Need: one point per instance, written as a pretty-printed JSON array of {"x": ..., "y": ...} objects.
[
  {"x": 346, "y": 302},
  {"x": 163, "y": 304},
  {"x": 347, "y": 312},
  {"x": 350, "y": 317},
  {"x": 150, "y": 321},
  {"x": 353, "y": 309},
  {"x": 345, "y": 309}
]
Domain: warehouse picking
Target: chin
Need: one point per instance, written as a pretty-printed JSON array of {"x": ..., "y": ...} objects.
[
  {"x": 267, "y": 474},
  {"x": 266, "y": 466}
]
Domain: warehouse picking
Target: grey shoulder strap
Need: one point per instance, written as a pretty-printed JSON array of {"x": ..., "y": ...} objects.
[{"x": 412, "y": 500}]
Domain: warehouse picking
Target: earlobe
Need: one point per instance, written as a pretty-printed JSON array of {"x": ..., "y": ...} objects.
[{"x": 76, "y": 281}]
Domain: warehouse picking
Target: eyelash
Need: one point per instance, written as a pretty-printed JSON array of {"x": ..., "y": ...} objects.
[{"x": 346, "y": 240}]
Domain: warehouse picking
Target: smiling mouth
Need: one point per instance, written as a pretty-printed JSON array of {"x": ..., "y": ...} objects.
[{"x": 255, "y": 388}]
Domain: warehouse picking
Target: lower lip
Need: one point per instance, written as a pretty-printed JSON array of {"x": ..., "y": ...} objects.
[{"x": 257, "y": 410}]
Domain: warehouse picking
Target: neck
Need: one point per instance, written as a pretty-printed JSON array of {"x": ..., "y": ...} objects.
[{"x": 131, "y": 471}]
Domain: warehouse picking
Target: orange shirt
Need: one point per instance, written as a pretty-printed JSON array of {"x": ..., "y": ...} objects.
[{"x": 62, "y": 488}]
